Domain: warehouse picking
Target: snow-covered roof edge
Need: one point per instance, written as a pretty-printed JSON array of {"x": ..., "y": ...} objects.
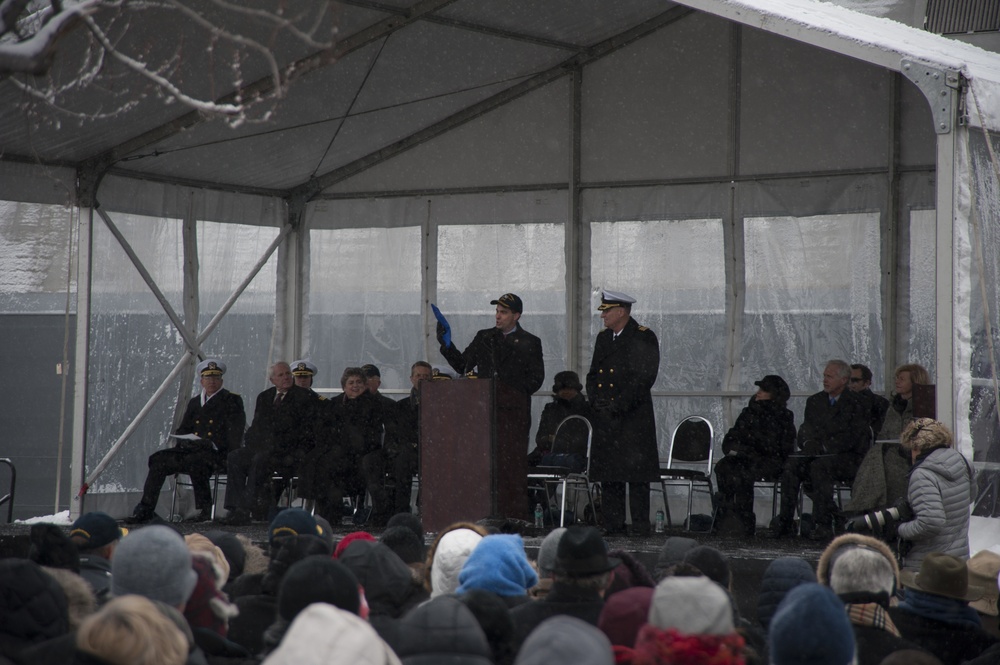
[{"x": 873, "y": 39}]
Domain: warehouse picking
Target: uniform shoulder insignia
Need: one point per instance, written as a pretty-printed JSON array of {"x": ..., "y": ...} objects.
[
  {"x": 322, "y": 399},
  {"x": 643, "y": 328}
]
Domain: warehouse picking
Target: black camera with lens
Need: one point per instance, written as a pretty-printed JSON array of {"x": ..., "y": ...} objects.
[{"x": 882, "y": 523}]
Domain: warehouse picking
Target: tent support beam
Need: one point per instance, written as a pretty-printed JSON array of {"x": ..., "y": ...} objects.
[
  {"x": 189, "y": 339},
  {"x": 185, "y": 359},
  {"x": 577, "y": 306},
  {"x": 313, "y": 187}
]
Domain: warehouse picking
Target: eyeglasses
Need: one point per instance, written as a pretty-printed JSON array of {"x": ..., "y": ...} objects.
[{"x": 855, "y": 379}]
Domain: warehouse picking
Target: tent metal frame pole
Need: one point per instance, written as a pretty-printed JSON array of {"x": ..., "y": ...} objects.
[
  {"x": 81, "y": 355},
  {"x": 576, "y": 308},
  {"x": 890, "y": 235},
  {"x": 181, "y": 363},
  {"x": 733, "y": 234},
  {"x": 945, "y": 278},
  {"x": 428, "y": 286},
  {"x": 189, "y": 339}
]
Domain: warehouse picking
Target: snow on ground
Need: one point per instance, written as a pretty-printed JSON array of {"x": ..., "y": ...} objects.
[{"x": 61, "y": 519}]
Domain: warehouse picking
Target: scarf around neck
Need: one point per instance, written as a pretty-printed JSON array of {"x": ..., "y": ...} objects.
[
  {"x": 871, "y": 614},
  {"x": 940, "y": 608}
]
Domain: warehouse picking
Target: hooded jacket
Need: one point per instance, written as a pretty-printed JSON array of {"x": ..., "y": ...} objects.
[{"x": 939, "y": 492}]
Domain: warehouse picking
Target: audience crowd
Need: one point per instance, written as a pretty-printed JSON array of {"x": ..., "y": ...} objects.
[{"x": 99, "y": 595}]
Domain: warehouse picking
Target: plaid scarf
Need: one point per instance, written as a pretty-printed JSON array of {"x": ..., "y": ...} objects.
[{"x": 871, "y": 614}]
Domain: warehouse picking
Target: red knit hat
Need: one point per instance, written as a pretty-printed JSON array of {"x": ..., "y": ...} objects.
[
  {"x": 655, "y": 646},
  {"x": 350, "y": 538}
]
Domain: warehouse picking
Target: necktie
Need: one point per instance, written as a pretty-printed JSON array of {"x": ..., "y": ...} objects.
[{"x": 277, "y": 398}]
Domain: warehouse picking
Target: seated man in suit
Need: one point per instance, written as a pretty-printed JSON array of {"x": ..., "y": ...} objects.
[
  {"x": 833, "y": 439},
  {"x": 215, "y": 420},
  {"x": 276, "y": 444}
]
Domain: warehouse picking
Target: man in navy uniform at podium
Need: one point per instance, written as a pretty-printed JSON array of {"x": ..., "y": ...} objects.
[
  {"x": 624, "y": 367},
  {"x": 217, "y": 418},
  {"x": 506, "y": 352}
]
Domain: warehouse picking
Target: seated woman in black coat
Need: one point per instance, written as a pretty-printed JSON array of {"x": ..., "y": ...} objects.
[
  {"x": 348, "y": 427},
  {"x": 567, "y": 401},
  {"x": 755, "y": 448}
]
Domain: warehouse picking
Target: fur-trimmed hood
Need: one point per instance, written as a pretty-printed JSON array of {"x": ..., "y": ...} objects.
[{"x": 838, "y": 545}]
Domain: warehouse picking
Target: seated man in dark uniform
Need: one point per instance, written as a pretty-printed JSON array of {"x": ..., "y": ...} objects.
[
  {"x": 276, "y": 444},
  {"x": 833, "y": 439},
  {"x": 213, "y": 424},
  {"x": 404, "y": 459},
  {"x": 567, "y": 401},
  {"x": 303, "y": 372}
]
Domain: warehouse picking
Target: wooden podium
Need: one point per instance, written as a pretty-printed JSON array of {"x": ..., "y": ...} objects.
[{"x": 473, "y": 451}]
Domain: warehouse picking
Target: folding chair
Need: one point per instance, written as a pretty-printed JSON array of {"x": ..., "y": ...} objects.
[
  {"x": 567, "y": 471},
  {"x": 689, "y": 462},
  {"x": 218, "y": 478}
]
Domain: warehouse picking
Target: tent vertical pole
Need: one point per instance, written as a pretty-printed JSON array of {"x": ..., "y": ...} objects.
[
  {"x": 81, "y": 354},
  {"x": 891, "y": 225},
  {"x": 428, "y": 285},
  {"x": 574, "y": 274},
  {"x": 945, "y": 279}
]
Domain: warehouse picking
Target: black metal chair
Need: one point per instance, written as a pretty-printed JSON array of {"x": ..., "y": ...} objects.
[
  {"x": 689, "y": 462},
  {"x": 566, "y": 467}
]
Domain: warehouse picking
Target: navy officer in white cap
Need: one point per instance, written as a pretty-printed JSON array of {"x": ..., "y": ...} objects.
[
  {"x": 619, "y": 384},
  {"x": 217, "y": 419},
  {"x": 303, "y": 372}
]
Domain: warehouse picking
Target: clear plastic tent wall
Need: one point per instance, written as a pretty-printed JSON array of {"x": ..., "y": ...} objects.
[{"x": 197, "y": 255}]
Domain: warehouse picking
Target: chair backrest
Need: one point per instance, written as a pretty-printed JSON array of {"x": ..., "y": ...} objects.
[
  {"x": 692, "y": 441},
  {"x": 573, "y": 436}
]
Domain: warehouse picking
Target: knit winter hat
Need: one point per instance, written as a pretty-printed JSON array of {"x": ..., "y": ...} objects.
[
  {"x": 232, "y": 548},
  {"x": 655, "y": 645},
  {"x": 712, "y": 563},
  {"x": 691, "y": 605},
  {"x": 317, "y": 579},
  {"x": 673, "y": 551},
  {"x": 498, "y": 564},
  {"x": 811, "y": 628},
  {"x": 50, "y": 546},
  {"x": 404, "y": 543},
  {"x": 410, "y": 521},
  {"x": 153, "y": 562},
  {"x": 451, "y": 551},
  {"x": 624, "y": 614},
  {"x": 350, "y": 538},
  {"x": 547, "y": 552},
  {"x": 565, "y": 640}
]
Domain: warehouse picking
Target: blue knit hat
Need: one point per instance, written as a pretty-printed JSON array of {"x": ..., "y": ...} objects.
[
  {"x": 811, "y": 628},
  {"x": 498, "y": 564}
]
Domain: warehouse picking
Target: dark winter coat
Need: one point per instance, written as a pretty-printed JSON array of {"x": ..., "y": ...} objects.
[
  {"x": 222, "y": 420},
  {"x": 515, "y": 359},
  {"x": 33, "y": 607},
  {"x": 346, "y": 431},
  {"x": 585, "y": 604},
  {"x": 554, "y": 413},
  {"x": 838, "y": 429},
  {"x": 875, "y": 407},
  {"x": 96, "y": 571},
  {"x": 953, "y": 643},
  {"x": 763, "y": 432},
  {"x": 285, "y": 431},
  {"x": 619, "y": 385}
]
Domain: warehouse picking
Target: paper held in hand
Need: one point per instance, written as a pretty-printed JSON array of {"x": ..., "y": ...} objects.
[{"x": 186, "y": 437}]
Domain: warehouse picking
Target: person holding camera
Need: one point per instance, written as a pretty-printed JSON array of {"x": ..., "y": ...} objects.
[{"x": 934, "y": 517}]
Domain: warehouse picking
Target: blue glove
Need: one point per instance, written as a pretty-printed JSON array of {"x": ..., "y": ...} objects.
[{"x": 443, "y": 329}]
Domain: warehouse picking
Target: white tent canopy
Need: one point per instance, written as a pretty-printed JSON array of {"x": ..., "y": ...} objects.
[{"x": 778, "y": 182}]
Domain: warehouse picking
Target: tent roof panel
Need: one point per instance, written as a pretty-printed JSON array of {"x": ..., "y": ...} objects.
[
  {"x": 870, "y": 38},
  {"x": 583, "y": 22}
]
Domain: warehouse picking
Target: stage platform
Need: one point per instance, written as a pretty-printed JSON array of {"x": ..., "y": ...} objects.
[{"x": 748, "y": 558}]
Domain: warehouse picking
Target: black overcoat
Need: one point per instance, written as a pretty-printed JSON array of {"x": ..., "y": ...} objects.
[
  {"x": 221, "y": 420},
  {"x": 619, "y": 386},
  {"x": 515, "y": 359}
]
